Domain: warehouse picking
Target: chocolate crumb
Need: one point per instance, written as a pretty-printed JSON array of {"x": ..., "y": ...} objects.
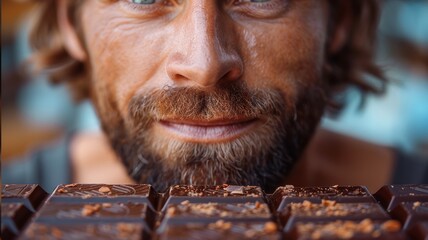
[
  {"x": 222, "y": 225},
  {"x": 328, "y": 203},
  {"x": 366, "y": 226},
  {"x": 391, "y": 226},
  {"x": 347, "y": 229},
  {"x": 270, "y": 227},
  {"x": 106, "y": 205},
  {"x": 71, "y": 185},
  {"x": 331, "y": 208},
  {"x": 344, "y": 233},
  {"x": 171, "y": 211},
  {"x": 126, "y": 230},
  {"x": 306, "y": 203},
  {"x": 56, "y": 233},
  {"x": 104, "y": 189},
  {"x": 62, "y": 190},
  {"x": 226, "y": 226},
  {"x": 89, "y": 210},
  {"x": 416, "y": 204}
]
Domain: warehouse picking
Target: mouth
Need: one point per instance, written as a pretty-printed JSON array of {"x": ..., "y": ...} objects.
[{"x": 204, "y": 131}]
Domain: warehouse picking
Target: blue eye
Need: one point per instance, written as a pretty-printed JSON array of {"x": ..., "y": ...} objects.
[{"x": 143, "y": 1}]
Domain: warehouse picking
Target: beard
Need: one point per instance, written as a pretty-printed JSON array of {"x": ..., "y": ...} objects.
[{"x": 262, "y": 156}]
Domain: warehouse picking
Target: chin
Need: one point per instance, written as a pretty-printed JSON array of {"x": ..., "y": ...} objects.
[{"x": 186, "y": 136}]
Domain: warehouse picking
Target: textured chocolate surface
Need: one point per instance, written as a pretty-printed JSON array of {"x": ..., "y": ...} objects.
[
  {"x": 102, "y": 190},
  {"x": 288, "y": 194},
  {"x": 365, "y": 229},
  {"x": 390, "y": 196},
  {"x": 208, "y": 213},
  {"x": 218, "y": 210},
  {"x": 104, "y": 211},
  {"x": 220, "y": 230},
  {"x": 121, "y": 230},
  {"x": 329, "y": 211},
  {"x": 224, "y": 190},
  {"x": 220, "y": 193},
  {"x": 95, "y": 212},
  {"x": 105, "y": 193}
]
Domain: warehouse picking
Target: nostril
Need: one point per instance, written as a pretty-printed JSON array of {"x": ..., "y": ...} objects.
[
  {"x": 205, "y": 67},
  {"x": 204, "y": 74},
  {"x": 233, "y": 73},
  {"x": 178, "y": 77}
]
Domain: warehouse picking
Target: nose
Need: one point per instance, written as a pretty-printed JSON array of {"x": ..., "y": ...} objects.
[{"x": 203, "y": 52}]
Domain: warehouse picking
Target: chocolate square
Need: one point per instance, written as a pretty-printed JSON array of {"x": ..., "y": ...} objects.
[{"x": 31, "y": 195}]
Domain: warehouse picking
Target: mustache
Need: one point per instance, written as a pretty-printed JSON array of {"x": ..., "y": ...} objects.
[{"x": 181, "y": 103}]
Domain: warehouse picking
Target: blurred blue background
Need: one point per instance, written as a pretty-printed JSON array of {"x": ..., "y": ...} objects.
[
  {"x": 35, "y": 112},
  {"x": 398, "y": 119}
]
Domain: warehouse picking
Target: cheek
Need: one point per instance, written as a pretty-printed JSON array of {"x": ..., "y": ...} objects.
[
  {"x": 298, "y": 62},
  {"x": 289, "y": 54},
  {"x": 123, "y": 57}
]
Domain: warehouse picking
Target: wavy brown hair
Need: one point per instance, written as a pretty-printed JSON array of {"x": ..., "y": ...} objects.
[{"x": 351, "y": 65}]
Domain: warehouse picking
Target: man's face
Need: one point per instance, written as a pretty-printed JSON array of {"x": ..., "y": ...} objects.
[{"x": 207, "y": 92}]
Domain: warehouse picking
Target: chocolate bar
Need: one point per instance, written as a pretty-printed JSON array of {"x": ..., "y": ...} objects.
[
  {"x": 218, "y": 210},
  {"x": 31, "y": 195},
  {"x": 119, "y": 230},
  {"x": 14, "y": 216},
  {"x": 54, "y": 212},
  {"x": 390, "y": 196},
  {"x": 329, "y": 211},
  {"x": 97, "y": 193},
  {"x": 340, "y": 229},
  {"x": 220, "y": 229},
  {"x": 220, "y": 193},
  {"x": 419, "y": 231},
  {"x": 408, "y": 213},
  {"x": 343, "y": 194},
  {"x": 18, "y": 203},
  {"x": 136, "y": 211}
]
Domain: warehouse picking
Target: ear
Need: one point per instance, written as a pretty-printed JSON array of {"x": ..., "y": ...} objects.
[
  {"x": 68, "y": 32},
  {"x": 341, "y": 17}
]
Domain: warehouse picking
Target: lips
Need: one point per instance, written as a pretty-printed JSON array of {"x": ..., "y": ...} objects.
[{"x": 207, "y": 131}]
